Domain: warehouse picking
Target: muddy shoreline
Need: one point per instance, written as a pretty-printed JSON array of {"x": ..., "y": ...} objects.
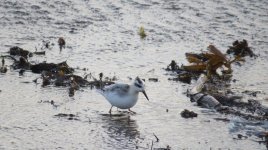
[{"x": 58, "y": 106}]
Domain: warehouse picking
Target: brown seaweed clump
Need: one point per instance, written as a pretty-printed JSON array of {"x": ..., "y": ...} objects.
[
  {"x": 58, "y": 74},
  {"x": 240, "y": 48},
  {"x": 17, "y": 51},
  {"x": 38, "y": 68},
  {"x": 210, "y": 62},
  {"x": 22, "y": 63}
]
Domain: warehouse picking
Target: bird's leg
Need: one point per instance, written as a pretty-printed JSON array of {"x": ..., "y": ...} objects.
[
  {"x": 133, "y": 112},
  {"x": 110, "y": 111}
]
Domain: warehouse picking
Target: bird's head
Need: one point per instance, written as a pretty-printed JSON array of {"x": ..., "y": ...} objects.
[{"x": 140, "y": 87}]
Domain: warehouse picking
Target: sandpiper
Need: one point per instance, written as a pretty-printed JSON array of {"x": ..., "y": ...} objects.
[{"x": 124, "y": 96}]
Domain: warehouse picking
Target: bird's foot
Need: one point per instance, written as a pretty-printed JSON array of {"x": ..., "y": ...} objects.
[
  {"x": 110, "y": 111},
  {"x": 131, "y": 112}
]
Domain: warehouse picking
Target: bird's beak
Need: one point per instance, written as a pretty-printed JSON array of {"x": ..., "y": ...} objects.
[{"x": 145, "y": 95}]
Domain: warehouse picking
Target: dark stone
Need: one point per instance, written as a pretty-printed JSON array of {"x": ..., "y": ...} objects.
[
  {"x": 188, "y": 114},
  {"x": 3, "y": 69}
]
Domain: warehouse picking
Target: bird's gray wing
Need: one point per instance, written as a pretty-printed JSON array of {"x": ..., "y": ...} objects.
[{"x": 121, "y": 89}]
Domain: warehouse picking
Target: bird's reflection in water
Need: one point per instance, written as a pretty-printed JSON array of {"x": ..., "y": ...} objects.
[{"x": 122, "y": 131}]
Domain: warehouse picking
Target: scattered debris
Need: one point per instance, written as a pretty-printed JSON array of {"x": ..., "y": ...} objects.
[
  {"x": 40, "y": 53},
  {"x": 204, "y": 100},
  {"x": 65, "y": 115},
  {"x": 61, "y": 43},
  {"x": 63, "y": 66},
  {"x": 60, "y": 78},
  {"x": 46, "y": 45},
  {"x": 3, "y": 68},
  {"x": 157, "y": 139},
  {"x": 68, "y": 116},
  {"x": 167, "y": 148},
  {"x": 212, "y": 90},
  {"x": 264, "y": 136},
  {"x": 184, "y": 77},
  {"x": 49, "y": 102},
  {"x": 3, "y": 61},
  {"x": 17, "y": 51},
  {"x": 240, "y": 48},
  {"x": 59, "y": 74},
  {"x": 142, "y": 32},
  {"x": 199, "y": 84},
  {"x": 73, "y": 87},
  {"x": 188, "y": 114},
  {"x": 251, "y": 93},
  {"x": 227, "y": 104},
  {"x": 71, "y": 92},
  {"x": 209, "y": 62},
  {"x": 22, "y": 63},
  {"x": 241, "y": 137},
  {"x": 173, "y": 66},
  {"x": 153, "y": 79},
  {"x": 222, "y": 119},
  {"x": 21, "y": 72}
]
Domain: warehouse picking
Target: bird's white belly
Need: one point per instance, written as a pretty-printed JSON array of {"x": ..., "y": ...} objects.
[{"x": 122, "y": 102}]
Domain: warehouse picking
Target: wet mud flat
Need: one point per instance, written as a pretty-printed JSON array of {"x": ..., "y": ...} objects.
[
  {"x": 62, "y": 75},
  {"x": 211, "y": 91},
  {"x": 48, "y": 94}
]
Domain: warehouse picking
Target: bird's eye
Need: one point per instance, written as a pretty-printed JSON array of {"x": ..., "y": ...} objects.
[
  {"x": 139, "y": 80},
  {"x": 137, "y": 85}
]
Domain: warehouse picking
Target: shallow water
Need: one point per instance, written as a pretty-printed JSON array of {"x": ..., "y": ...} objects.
[{"x": 102, "y": 36}]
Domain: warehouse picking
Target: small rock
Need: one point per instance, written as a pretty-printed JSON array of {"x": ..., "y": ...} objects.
[
  {"x": 47, "y": 45},
  {"x": 240, "y": 137},
  {"x": 3, "y": 69},
  {"x": 153, "y": 79},
  {"x": 188, "y": 114}
]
